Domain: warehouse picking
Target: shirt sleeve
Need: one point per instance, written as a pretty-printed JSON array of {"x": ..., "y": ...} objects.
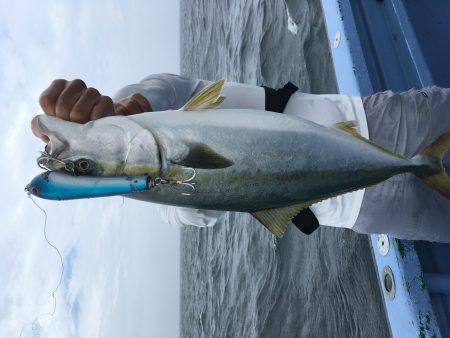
[
  {"x": 164, "y": 91},
  {"x": 187, "y": 216}
]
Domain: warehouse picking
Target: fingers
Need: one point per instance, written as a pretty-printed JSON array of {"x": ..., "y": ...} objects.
[
  {"x": 105, "y": 107},
  {"x": 143, "y": 103},
  {"x": 68, "y": 98},
  {"x": 81, "y": 111},
  {"x": 60, "y": 97},
  {"x": 73, "y": 101},
  {"x": 133, "y": 104},
  {"x": 48, "y": 98}
]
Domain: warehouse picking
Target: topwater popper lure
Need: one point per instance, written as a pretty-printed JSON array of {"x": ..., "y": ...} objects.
[
  {"x": 57, "y": 185},
  {"x": 270, "y": 165}
]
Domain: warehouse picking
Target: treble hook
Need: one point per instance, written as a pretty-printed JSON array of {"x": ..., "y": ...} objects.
[
  {"x": 41, "y": 165},
  {"x": 184, "y": 183},
  {"x": 194, "y": 173},
  {"x": 45, "y": 158},
  {"x": 187, "y": 184}
]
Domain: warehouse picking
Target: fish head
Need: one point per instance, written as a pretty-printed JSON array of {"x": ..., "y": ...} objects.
[{"x": 109, "y": 146}]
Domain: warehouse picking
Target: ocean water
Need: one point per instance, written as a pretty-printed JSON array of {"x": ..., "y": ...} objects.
[{"x": 237, "y": 280}]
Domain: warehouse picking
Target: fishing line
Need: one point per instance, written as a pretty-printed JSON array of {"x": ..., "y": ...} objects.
[{"x": 52, "y": 313}]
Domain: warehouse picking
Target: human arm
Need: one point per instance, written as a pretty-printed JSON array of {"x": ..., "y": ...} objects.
[
  {"x": 170, "y": 92},
  {"x": 73, "y": 101}
]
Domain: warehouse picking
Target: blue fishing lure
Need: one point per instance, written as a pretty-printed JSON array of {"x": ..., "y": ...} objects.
[{"x": 57, "y": 185}]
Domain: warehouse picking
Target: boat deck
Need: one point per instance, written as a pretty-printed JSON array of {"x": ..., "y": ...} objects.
[{"x": 397, "y": 45}]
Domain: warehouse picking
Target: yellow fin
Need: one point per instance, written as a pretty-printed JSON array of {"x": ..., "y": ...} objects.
[
  {"x": 207, "y": 98},
  {"x": 440, "y": 181},
  {"x": 277, "y": 220},
  {"x": 350, "y": 128}
]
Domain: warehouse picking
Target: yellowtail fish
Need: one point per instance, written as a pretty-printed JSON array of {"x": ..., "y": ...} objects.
[{"x": 271, "y": 165}]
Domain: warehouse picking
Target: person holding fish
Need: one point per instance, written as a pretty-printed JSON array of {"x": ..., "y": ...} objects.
[{"x": 403, "y": 123}]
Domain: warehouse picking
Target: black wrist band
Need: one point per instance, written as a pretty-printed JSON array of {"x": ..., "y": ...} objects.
[{"x": 276, "y": 99}]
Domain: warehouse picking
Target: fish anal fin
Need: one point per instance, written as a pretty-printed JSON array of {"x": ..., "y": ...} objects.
[
  {"x": 276, "y": 220},
  {"x": 207, "y": 98},
  {"x": 202, "y": 156}
]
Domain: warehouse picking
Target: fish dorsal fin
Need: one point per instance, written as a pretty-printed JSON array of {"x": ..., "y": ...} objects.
[
  {"x": 202, "y": 156},
  {"x": 207, "y": 98},
  {"x": 277, "y": 220},
  {"x": 350, "y": 127},
  {"x": 216, "y": 104}
]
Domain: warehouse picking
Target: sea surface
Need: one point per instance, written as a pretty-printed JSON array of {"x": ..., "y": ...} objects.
[{"x": 237, "y": 280}]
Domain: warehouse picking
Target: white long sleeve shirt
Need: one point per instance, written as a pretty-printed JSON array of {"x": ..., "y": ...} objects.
[{"x": 168, "y": 91}]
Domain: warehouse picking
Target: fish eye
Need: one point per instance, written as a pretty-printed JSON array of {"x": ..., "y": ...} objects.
[{"x": 83, "y": 166}]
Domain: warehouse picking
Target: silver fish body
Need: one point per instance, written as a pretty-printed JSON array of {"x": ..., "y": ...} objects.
[{"x": 274, "y": 160}]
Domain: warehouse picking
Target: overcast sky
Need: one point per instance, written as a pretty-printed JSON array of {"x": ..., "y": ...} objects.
[{"x": 121, "y": 275}]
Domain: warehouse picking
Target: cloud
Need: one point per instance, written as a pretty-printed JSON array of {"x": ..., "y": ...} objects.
[{"x": 111, "y": 250}]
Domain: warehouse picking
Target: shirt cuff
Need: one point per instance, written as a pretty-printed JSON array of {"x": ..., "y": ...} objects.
[{"x": 243, "y": 96}]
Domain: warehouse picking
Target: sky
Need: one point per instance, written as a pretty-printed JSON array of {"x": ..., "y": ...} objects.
[{"x": 121, "y": 262}]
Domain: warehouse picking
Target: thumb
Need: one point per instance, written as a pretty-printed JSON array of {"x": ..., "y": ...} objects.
[{"x": 133, "y": 104}]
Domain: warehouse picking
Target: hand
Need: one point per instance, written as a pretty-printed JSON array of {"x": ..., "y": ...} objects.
[
  {"x": 133, "y": 104},
  {"x": 73, "y": 101}
]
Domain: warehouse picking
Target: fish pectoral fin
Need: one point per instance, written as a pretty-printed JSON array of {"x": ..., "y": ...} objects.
[
  {"x": 208, "y": 98},
  {"x": 277, "y": 220},
  {"x": 202, "y": 156}
]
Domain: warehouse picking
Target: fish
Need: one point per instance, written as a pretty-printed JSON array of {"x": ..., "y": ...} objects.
[{"x": 270, "y": 165}]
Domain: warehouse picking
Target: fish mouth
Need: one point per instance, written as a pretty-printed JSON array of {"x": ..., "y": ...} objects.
[
  {"x": 38, "y": 130},
  {"x": 56, "y": 144},
  {"x": 52, "y": 131}
]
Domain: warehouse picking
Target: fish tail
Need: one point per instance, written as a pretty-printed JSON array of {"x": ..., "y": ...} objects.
[{"x": 434, "y": 154}]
